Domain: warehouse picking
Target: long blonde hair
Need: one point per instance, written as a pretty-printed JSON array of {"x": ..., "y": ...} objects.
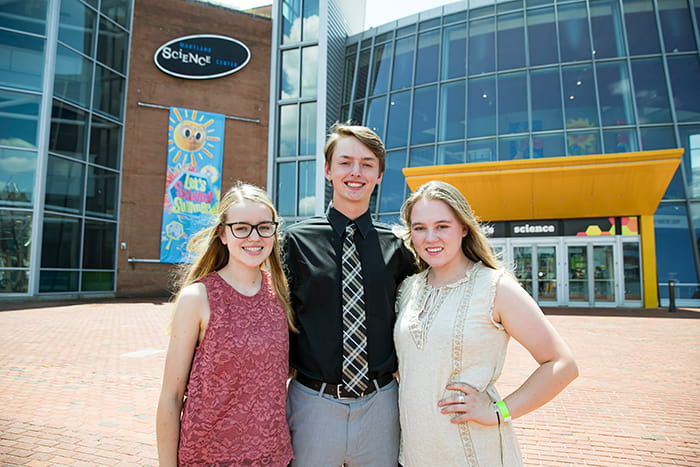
[
  {"x": 212, "y": 255},
  {"x": 474, "y": 245}
]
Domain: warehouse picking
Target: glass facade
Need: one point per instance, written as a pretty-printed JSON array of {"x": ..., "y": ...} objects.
[
  {"x": 63, "y": 66},
  {"x": 518, "y": 79}
]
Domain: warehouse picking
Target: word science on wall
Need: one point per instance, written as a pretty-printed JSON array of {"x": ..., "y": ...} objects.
[{"x": 202, "y": 56}]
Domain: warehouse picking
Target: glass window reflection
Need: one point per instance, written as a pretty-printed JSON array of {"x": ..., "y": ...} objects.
[
  {"x": 642, "y": 35},
  {"x": 112, "y": 45},
  {"x": 21, "y": 60},
  {"x": 393, "y": 183},
  {"x": 15, "y": 239},
  {"x": 482, "y": 46},
  {"x": 118, "y": 10},
  {"x": 291, "y": 21},
  {"x": 424, "y": 108},
  {"x": 310, "y": 29},
  {"x": 511, "y": 40},
  {"x": 690, "y": 141},
  {"x": 606, "y": 26},
  {"x": 289, "y": 88},
  {"x": 58, "y": 281},
  {"x": 18, "y": 119},
  {"x": 512, "y": 103},
  {"x": 546, "y": 100},
  {"x": 348, "y": 76},
  {"x": 73, "y": 76},
  {"x": 542, "y": 29},
  {"x": 481, "y": 151},
  {"x": 657, "y": 138},
  {"x": 422, "y": 156},
  {"x": 514, "y": 148},
  {"x": 574, "y": 39},
  {"x": 427, "y": 57},
  {"x": 402, "y": 75},
  {"x": 99, "y": 245},
  {"x": 288, "y": 130},
  {"x": 309, "y": 72},
  {"x": 286, "y": 188},
  {"x": 307, "y": 188},
  {"x": 105, "y": 142},
  {"x": 17, "y": 177},
  {"x": 77, "y": 26},
  {"x": 615, "y": 93},
  {"x": 674, "y": 254},
  {"x": 650, "y": 91},
  {"x": 620, "y": 140},
  {"x": 362, "y": 74},
  {"x": 580, "y": 105},
  {"x": 101, "y": 193},
  {"x": 68, "y": 130},
  {"x": 61, "y": 242},
  {"x": 451, "y": 153},
  {"x": 64, "y": 185},
  {"x": 676, "y": 26},
  {"x": 454, "y": 58},
  {"x": 108, "y": 97},
  {"x": 581, "y": 143},
  {"x": 451, "y": 123},
  {"x": 307, "y": 129},
  {"x": 399, "y": 113},
  {"x": 685, "y": 86},
  {"x": 481, "y": 107},
  {"x": 24, "y": 15},
  {"x": 376, "y": 112},
  {"x": 381, "y": 66},
  {"x": 97, "y": 281},
  {"x": 548, "y": 145}
]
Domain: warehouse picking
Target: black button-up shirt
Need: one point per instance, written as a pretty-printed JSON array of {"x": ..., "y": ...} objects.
[{"x": 312, "y": 253}]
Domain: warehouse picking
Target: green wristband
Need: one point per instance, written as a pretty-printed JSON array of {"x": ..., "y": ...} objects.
[{"x": 503, "y": 410}]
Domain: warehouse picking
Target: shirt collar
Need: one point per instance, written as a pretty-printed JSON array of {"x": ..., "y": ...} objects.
[{"x": 338, "y": 221}]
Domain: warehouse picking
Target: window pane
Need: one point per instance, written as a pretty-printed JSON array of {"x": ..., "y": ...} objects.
[
  {"x": 427, "y": 57},
  {"x": 17, "y": 177},
  {"x": 421, "y": 157},
  {"x": 109, "y": 92},
  {"x": 64, "y": 185},
  {"x": 381, "y": 66},
  {"x": 481, "y": 108},
  {"x": 513, "y": 148},
  {"x": 606, "y": 24},
  {"x": 482, "y": 46},
  {"x": 289, "y": 88},
  {"x": 58, "y": 281},
  {"x": 579, "y": 97},
  {"x": 632, "y": 267},
  {"x": 548, "y": 145},
  {"x": 511, "y": 40},
  {"x": 68, "y": 130},
  {"x": 99, "y": 245},
  {"x": 403, "y": 63},
  {"x": 424, "y": 107},
  {"x": 650, "y": 91},
  {"x": 362, "y": 71},
  {"x": 573, "y": 33},
  {"x": 690, "y": 141},
  {"x": 393, "y": 184},
  {"x": 309, "y": 73},
  {"x": 512, "y": 103},
  {"x": 118, "y": 10},
  {"x": 674, "y": 255},
  {"x": 399, "y": 113},
  {"x": 77, "y": 26},
  {"x": 546, "y": 100},
  {"x": 112, "y": 45},
  {"x": 310, "y": 32},
  {"x": 60, "y": 242},
  {"x": 642, "y": 35},
  {"x": 542, "y": 29},
  {"x": 291, "y": 21},
  {"x": 348, "y": 75},
  {"x": 18, "y": 119},
  {"x": 25, "y": 15},
  {"x": 583, "y": 143},
  {"x": 358, "y": 109},
  {"x": 21, "y": 60},
  {"x": 307, "y": 130},
  {"x": 620, "y": 141},
  {"x": 15, "y": 238},
  {"x": 481, "y": 151},
  {"x": 658, "y": 138},
  {"x": 307, "y": 188},
  {"x": 14, "y": 281},
  {"x": 73, "y": 76},
  {"x": 452, "y": 121},
  {"x": 286, "y": 189},
  {"x": 105, "y": 142},
  {"x": 288, "y": 130},
  {"x": 615, "y": 93},
  {"x": 676, "y": 25},
  {"x": 452, "y": 153},
  {"x": 454, "y": 57},
  {"x": 376, "y": 111},
  {"x": 101, "y": 193},
  {"x": 685, "y": 86},
  {"x": 97, "y": 281}
]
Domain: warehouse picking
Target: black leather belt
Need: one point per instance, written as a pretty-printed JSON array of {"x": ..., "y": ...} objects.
[{"x": 338, "y": 391}]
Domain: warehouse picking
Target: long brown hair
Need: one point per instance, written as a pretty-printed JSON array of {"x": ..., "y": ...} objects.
[
  {"x": 474, "y": 245},
  {"x": 212, "y": 255}
]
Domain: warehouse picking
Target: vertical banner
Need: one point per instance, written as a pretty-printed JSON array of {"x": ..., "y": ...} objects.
[{"x": 193, "y": 180}]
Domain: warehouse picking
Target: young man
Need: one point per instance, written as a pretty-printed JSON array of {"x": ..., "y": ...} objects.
[{"x": 341, "y": 411}]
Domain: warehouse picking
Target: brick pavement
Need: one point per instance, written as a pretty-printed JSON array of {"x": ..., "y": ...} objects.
[{"x": 79, "y": 385}]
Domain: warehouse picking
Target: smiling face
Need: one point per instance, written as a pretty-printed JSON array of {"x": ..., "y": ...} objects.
[
  {"x": 437, "y": 234},
  {"x": 354, "y": 172},
  {"x": 248, "y": 252}
]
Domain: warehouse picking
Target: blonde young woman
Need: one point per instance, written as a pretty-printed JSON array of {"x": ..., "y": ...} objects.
[
  {"x": 224, "y": 384},
  {"x": 454, "y": 321}
]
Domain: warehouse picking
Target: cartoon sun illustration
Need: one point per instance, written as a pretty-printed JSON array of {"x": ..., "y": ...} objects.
[{"x": 190, "y": 136}]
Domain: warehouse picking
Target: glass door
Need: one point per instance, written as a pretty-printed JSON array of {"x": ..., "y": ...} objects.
[
  {"x": 546, "y": 273},
  {"x": 603, "y": 274},
  {"x": 522, "y": 260},
  {"x": 577, "y": 256}
]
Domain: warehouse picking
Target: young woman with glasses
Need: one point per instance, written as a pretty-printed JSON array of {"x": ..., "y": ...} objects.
[{"x": 224, "y": 384}]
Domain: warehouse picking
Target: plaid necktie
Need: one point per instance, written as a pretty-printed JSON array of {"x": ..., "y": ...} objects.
[{"x": 355, "y": 367}]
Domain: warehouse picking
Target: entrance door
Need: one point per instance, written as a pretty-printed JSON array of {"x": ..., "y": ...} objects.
[
  {"x": 591, "y": 273},
  {"x": 536, "y": 269}
]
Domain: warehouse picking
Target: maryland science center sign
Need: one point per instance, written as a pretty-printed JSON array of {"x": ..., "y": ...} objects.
[{"x": 202, "y": 56}]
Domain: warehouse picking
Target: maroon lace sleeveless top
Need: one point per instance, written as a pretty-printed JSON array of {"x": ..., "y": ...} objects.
[{"x": 234, "y": 411}]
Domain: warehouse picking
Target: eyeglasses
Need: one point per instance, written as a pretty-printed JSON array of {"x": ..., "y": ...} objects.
[{"x": 243, "y": 229}]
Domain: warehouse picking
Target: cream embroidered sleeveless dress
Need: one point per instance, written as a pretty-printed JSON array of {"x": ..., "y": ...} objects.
[{"x": 442, "y": 335}]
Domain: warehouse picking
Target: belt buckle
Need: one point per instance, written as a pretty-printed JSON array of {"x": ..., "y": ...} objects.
[{"x": 337, "y": 393}]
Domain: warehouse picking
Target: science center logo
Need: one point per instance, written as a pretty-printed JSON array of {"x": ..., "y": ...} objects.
[{"x": 202, "y": 56}]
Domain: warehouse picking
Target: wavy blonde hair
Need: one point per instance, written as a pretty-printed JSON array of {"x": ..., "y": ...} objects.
[
  {"x": 212, "y": 255},
  {"x": 475, "y": 245}
]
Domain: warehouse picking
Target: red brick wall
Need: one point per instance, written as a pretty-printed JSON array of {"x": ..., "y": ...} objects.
[{"x": 244, "y": 93}]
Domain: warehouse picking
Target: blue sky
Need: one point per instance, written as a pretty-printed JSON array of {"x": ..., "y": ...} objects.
[{"x": 378, "y": 11}]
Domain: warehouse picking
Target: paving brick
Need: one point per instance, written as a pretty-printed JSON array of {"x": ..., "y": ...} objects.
[{"x": 71, "y": 397}]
